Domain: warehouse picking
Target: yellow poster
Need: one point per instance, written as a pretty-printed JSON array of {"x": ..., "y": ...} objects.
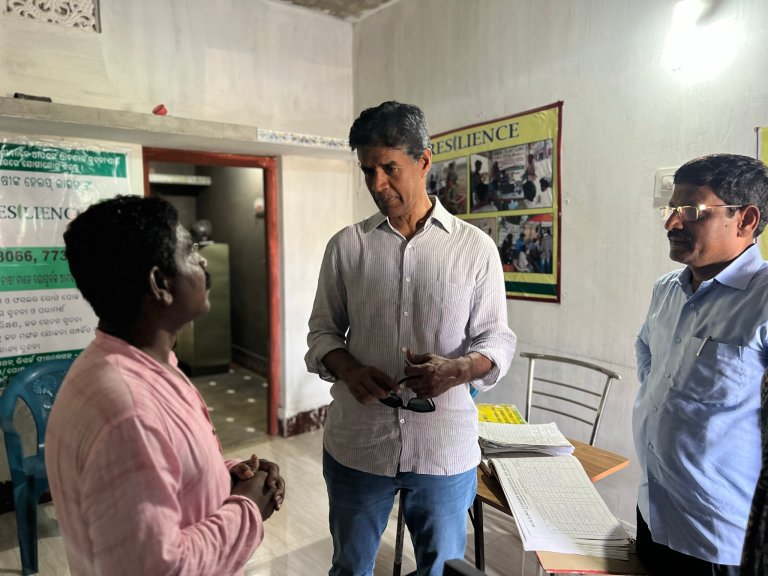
[
  {"x": 763, "y": 154},
  {"x": 503, "y": 176}
]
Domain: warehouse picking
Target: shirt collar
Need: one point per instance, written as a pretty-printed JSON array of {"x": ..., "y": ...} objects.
[
  {"x": 737, "y": 274},
  {"x": 439, "y": 215}
]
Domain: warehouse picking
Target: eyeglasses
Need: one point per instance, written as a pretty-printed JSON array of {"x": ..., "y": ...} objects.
[
  {"x": 414, "y": 404},
  {"x": 691, "y": 213}
]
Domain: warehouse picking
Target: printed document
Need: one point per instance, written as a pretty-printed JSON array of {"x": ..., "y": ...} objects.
[{"x": 557, "y": 509}]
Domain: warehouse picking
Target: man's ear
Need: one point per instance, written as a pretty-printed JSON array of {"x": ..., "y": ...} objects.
[
  {"x": 425, "y": 162},
  {"x": 750, "y": 219},
  {"x": 160, "y": 286}
]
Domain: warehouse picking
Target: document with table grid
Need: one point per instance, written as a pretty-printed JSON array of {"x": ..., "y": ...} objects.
[{"x": 557, "y": 509}]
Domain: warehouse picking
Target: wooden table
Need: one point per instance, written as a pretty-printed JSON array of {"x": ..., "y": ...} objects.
[{"x": 598, "y": 464}]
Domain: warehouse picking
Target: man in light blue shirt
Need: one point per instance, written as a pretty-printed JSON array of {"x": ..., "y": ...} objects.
[{"x": 700, "y": 356}]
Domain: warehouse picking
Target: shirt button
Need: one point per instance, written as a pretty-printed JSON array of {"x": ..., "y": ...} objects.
[
  {"x": 403, "y": 349},
  {"x": 655, "y": 408},
  {"x": 407, "y": 278},
  {"x": 668, "y": 375},
  {"x": 677, "y": 340},
  {"x": 691, "y": 305},
  {"x": 405, "y": 313},
  {"x": 650, "y": 446},
  {"x": 402, "y": 420}
]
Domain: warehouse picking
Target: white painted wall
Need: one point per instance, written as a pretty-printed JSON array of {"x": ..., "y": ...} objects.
[
  {"x": 251, "y": 62},
  {"x": 315, "y": 203},
  {"x": 624, "y": 116}
]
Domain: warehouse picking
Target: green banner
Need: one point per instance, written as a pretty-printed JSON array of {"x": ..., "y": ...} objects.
[
  {"x": 34, "y": 268},
  {"x": 55, "y": 160}
]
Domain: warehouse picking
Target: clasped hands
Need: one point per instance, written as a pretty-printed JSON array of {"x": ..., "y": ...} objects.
[
  {"x": 433, "y": 375},
  {"x": 259, "y": 480}
]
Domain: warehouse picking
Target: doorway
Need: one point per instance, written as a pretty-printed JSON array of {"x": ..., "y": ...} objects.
[{"x": 203, "y": 170}]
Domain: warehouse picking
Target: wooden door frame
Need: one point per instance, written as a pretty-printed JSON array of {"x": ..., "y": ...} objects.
[{"x": 269, "y": 166}]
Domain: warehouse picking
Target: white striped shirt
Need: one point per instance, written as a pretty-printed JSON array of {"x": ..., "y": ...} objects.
[{"x": 442, "y": 292}]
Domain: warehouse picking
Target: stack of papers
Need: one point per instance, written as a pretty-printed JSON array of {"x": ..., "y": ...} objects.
[
  {"x": 511, "y": 439},
  {"x": 557, "y": 509}
]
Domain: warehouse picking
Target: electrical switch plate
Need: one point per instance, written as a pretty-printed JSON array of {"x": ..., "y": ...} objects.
[{"x": 663, "y": 185}]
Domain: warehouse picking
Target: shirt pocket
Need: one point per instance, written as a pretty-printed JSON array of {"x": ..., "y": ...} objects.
[
  {"x": 712, "y": 372},
  {"x": 444, "y": 307}
]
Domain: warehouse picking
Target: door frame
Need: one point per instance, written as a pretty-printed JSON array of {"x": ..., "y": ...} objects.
[{"x": 269, "y": 165}]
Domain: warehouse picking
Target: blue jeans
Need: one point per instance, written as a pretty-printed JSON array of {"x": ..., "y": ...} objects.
[{"x": 434, "y": 509}]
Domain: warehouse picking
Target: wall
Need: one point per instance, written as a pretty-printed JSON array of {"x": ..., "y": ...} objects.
[
  {"x": 250, "y": 62},
  {"x": 625, "y": 115},
  {"x": 315, "y": 203}
]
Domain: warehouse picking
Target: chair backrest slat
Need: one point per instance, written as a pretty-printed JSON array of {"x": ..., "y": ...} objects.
[
  {"x": 566, "y": 414},
  {"x": 564, "y": 399},
  {"x": 599, "y": 388},
  {"x": 571, "y": 386}
]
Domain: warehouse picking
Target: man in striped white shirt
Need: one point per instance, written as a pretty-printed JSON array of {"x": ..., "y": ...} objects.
[{"x": 411, "y": 292}]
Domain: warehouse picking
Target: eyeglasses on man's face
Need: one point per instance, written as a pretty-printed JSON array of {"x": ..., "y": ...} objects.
[
  {"x": 691, "y": 213},
  {"x": 414, "y": 404}
]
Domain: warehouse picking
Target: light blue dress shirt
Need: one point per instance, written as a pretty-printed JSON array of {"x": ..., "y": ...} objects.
[{"x": 700, "y": 358}]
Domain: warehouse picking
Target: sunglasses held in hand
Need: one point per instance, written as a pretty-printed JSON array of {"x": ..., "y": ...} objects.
[{"x": 414, "y": 404}]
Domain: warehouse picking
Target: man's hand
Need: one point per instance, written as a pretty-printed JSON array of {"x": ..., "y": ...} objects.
[
  {"x": 244, "y": 470},
  {"x": 366, "y": 383},
  {"x": 247, "y": 469},
  {"x": 439, "y": 374},
  {"x": 256, "y": 490},
  {"x": 436, "y": 374}
]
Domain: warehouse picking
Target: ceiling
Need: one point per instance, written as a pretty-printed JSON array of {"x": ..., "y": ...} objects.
[{"x": 350, "y": 10}]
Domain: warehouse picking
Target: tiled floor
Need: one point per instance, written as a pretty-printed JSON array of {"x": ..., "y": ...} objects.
[
  {"x": 297, "y": 541},
  {"x": 237, "y": 402}
]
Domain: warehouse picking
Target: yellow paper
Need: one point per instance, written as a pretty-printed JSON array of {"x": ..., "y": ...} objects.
[{"x": 502, "y": 413}]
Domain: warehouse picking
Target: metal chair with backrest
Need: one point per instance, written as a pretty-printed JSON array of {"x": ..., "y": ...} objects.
[
  {"x": 586, "y": 401},
  {"x": 36, "y": 387}
]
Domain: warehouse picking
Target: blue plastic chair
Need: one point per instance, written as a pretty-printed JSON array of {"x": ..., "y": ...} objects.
[{"x": 37, "y": 387}]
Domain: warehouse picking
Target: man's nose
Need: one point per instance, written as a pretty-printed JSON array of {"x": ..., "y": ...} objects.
[
  {"x": 379, "y": 183},
  {"x": 675, "y": 221}
]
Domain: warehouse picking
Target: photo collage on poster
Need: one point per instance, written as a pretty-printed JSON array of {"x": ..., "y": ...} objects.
[{"x": 508, "y": 189}]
